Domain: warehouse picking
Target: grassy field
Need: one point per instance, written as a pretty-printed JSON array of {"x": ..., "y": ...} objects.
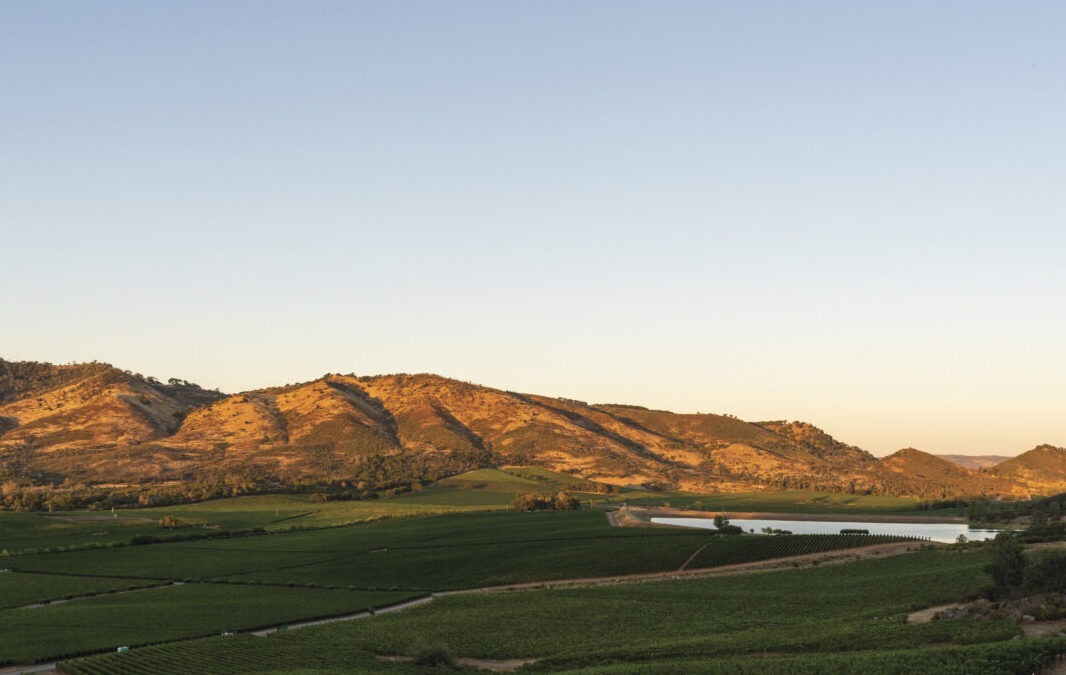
[
  {"x": 843, "y": 619},
  {"x": 21, "y": 531},
  {"x": 782, "y": 502}
]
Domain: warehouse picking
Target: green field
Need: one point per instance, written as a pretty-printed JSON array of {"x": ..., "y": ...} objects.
[
  {"x": 783, "y": 502},
  {"x": 22, "y": 531},
  {"x": 843, "y": 618}
]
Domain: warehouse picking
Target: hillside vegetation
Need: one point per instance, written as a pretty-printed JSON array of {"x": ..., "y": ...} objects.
[{"x": 93, "y": 423}]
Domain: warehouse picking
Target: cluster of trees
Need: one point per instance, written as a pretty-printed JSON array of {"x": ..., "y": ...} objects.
[
  {"x": 560, "y": 502},
  {"x": 21, "y": 377},
  {"x": 1014, "y": 575},
  {"x": 355, "y": 495},
  {"x": 16, "y": 497},
  {"x": 770, "y": 530},
  {"x": 1042, "y": 513}
]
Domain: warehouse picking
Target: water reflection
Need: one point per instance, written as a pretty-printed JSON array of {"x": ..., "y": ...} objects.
[{"x": 942, "y": 532}]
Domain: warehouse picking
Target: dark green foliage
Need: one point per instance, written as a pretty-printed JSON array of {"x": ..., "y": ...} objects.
[
  {"x": 1044, "y": 573},
  {"x": 1008, "y": 565},
  {"x": 425, "y": 654}
]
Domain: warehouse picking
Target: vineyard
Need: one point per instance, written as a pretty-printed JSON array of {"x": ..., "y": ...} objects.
[
  {"x": 448, "y": 552},
  {"x": 189, "y": 606},
  {"x": 840, "y": 619},
  {"x": 734, "y": 550},
  {"x": 105, "y": 622},
  {"x": 230, "y": 654}
]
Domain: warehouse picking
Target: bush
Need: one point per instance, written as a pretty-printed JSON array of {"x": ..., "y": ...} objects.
[
  {"x": 561, "y": 502},
  {"x": 1045, "y": 573},
  {"x": 426, "y": 654}
]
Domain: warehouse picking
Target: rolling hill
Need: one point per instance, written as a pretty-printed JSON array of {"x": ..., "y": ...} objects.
[
  {"x": 975, "y": 461},
  {"x": 96, "y": 423},
  {"x": 1041, "y": 470}
]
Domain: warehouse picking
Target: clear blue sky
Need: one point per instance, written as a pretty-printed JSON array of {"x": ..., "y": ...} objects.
[{"x": 851, "y": 213}]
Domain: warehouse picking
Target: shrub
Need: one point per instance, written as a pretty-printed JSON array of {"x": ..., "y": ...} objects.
[{"x": 426, "y": 654}]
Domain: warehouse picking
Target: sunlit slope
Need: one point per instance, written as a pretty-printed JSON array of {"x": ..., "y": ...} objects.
[
  {"x": 1040, "y": 471},
  {"x": 95, "y": 423}
]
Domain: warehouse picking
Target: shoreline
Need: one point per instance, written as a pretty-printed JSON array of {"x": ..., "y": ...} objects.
[{"x": 647, "y": 513}]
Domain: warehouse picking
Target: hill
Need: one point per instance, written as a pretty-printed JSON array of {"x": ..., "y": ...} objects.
[
  {"x": 911, "y": 471},
  {"x": 94, "y": 423},
  {"x": 975, "y": 461},
  {"x": 1039, "y": 471}
]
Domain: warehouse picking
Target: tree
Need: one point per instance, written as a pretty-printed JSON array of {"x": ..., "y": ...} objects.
[
  {"x": 1039, "y": 519},
  {"x": 720, "y": 521},
  {"x": 11, "y": 489},
  {"x": 1008, "y": 564},
  {"x": 564, "y": 502}
]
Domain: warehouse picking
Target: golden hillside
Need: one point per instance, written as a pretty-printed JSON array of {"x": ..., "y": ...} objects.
[{"x": 95, "y": 423}]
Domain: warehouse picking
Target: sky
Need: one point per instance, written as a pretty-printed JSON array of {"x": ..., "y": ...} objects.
[{"x": 848, "y": 213}]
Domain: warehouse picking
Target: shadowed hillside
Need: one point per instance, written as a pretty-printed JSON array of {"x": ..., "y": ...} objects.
[
  {"x": 96, "y": 423},
  {"x": 910, "y": 471}
]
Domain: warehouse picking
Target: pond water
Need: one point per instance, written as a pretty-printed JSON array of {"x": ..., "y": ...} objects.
[{"x": 942, "y": 532}]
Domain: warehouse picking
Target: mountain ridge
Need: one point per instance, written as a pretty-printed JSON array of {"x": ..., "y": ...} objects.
[{"x": 96, "y": 423}]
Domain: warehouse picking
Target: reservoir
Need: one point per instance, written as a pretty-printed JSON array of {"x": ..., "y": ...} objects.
[{"x": 941, "y": 532}]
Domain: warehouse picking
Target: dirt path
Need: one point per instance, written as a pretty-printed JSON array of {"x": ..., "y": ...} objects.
[
  {"x": 100, "y": 518},
  {"x": 790, "y": 562},
  {"x": 494, "y": 665},
  {"x": 348, "y": 617},
  {"x": 1038, "y": 628},
  {"x": 39, "y": 668},
  {"x": 693, "y": 557},
  {"x": 926, "y": 615},
  {"x": 100, "y": 594}
]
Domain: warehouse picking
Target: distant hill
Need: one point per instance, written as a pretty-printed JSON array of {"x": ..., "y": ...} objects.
[
  {"x": 975, "y": 461},
  {"x": 96, "y": 423},
  {"x": 910, "y": 471},
  {"x": 1039, "y": 471}
]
